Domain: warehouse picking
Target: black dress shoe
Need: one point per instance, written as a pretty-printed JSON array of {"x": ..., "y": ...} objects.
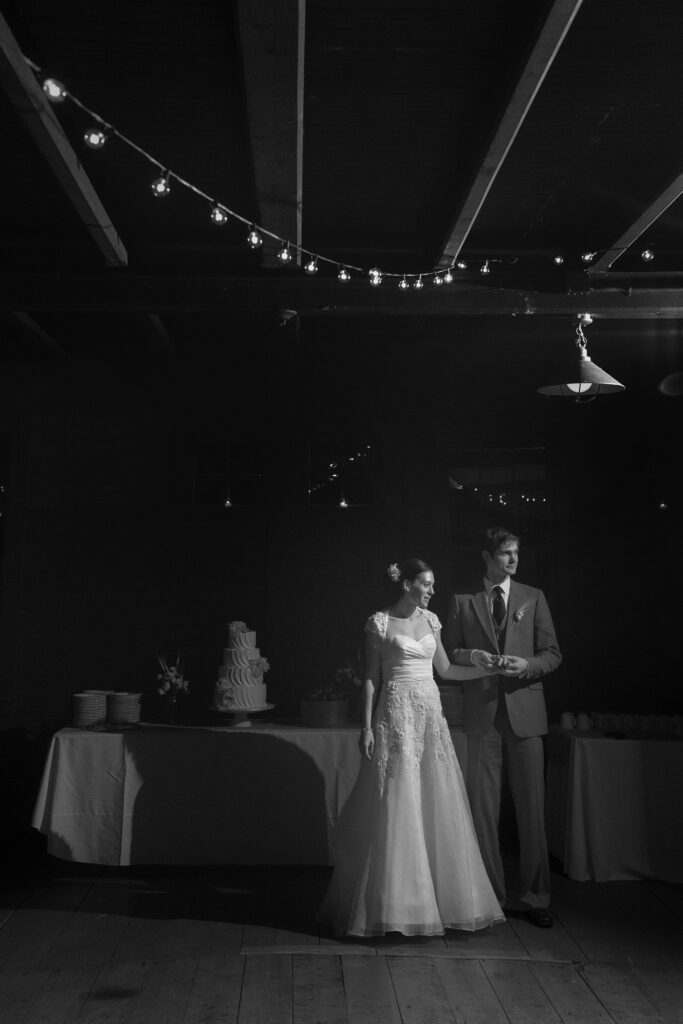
[{"x": 539, "y": 916}]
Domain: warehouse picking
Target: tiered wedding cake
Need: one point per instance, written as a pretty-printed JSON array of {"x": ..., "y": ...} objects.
[{"x": 240, "y": 685}]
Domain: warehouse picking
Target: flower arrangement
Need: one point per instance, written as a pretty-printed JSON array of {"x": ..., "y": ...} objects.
[
  {"x": 171, "y": 678},
  {"x": 347, "y": 680}
]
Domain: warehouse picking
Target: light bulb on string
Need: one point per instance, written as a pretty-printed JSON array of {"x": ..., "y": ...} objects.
[
  {"x": 95, "y": 138},
  {"x": 403, "y": 284},
  {"x": 647, "y": 255},
  {"x": 343, "y": 503},
  {"x": 54, "y": 90},
  {"x": 218, "y": 216},
  {"x": 254, "y": 240},
  {"x": 161, "y": 187}
]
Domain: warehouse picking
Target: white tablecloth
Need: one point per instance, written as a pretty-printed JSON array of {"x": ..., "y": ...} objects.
[
  {"x": 615, "y": 806},
  {"x": 269, "y": 794}
]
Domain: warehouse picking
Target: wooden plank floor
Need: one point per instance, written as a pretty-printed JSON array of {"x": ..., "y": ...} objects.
[{"x": 80, "y": 945}]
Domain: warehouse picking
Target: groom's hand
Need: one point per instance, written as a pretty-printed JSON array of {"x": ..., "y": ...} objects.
[{"x": 514, "y": 666}]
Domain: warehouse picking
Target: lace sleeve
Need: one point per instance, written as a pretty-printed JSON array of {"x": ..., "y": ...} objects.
[
  {"x": 376, "y": 628},
  {"x": 433, "y": 621}
]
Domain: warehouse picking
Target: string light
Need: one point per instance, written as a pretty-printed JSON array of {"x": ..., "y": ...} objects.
[
  {"x": 403, "y": 284},
  {"x": 219, "y": 216},
  {"x": 337, "y": 466},
  {"x": 254, "y": 240},
  {"x": 54, "y": 90},
  {"x": 162, "y": 186},
  {"x": 95, "y": 138}
]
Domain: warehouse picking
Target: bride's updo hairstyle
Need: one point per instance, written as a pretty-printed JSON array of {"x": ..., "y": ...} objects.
[{"x": 397, "y": 572}]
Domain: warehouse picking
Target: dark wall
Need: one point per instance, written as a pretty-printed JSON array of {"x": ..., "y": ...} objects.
[{"x": 108, "y": 559}]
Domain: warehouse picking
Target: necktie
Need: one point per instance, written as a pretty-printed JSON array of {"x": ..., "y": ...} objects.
[{"x": 498, "y": 607}]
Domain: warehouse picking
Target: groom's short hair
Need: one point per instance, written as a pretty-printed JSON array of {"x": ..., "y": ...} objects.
[{"x": 494, "y": 536}]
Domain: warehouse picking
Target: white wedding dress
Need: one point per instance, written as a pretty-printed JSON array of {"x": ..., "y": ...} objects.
[{"x": 405, "y": 853}]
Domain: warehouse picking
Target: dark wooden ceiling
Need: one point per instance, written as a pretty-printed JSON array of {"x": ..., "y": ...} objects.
[{"x": 401, "y": 134}]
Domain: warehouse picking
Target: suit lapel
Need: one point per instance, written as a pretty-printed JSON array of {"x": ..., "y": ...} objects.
[
  {"x": 482, "y": 609},
  {"x": 514, "y": 602}
]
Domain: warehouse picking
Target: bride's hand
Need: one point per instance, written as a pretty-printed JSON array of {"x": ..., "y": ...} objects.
[{"x": 366, "y": 743}]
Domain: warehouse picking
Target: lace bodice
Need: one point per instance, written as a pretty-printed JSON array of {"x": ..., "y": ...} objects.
[{"x": 409, "y": 705}]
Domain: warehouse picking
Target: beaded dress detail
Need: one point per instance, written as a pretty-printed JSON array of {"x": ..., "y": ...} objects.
[{"x": 405, "y": 852}]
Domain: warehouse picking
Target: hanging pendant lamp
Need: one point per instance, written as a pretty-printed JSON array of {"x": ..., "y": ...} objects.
[{"x": 581, "y": 378}]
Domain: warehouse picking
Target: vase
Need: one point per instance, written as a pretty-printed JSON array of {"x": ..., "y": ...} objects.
[
  {"x": 170, "y": 710},
  {"x": 320, "y": 714}
]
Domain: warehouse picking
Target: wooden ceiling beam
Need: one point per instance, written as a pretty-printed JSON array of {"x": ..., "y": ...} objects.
[
  {"x": 35, "y": 332},
  {"x": 161, "y": 333},
  {"x": 648, "y": 217},
  {"x": 320, "y": 297},
  {"x": 550, "y": 38},
  {"x": 40, "y": 120},
  {"x": 271, "y": 34}
]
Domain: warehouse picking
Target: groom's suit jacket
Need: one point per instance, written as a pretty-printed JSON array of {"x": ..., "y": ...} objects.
[{"x": 529, "y": 633}]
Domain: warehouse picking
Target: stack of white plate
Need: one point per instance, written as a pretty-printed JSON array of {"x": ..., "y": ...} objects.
[
  {"x": 89, "y": 708},
  {"x": 123, "y": 708},
  {"x": 451, "y": 702}
]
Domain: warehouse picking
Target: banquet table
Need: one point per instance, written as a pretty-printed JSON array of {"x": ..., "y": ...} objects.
[
  {"x": 615, "y": 806},
  {"x": 268, "y": 794}
]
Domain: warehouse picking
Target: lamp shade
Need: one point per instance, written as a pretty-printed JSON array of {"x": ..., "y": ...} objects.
[{"x": 582, "y": 378}]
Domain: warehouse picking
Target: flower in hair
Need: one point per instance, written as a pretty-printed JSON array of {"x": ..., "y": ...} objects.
[{"x": 394, "y": 573}]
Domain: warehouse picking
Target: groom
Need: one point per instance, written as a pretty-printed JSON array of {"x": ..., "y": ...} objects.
[{"x": 506, "y": 625}]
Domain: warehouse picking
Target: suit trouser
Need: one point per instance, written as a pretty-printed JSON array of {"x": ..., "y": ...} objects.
[{"x": 524, "y": 765}]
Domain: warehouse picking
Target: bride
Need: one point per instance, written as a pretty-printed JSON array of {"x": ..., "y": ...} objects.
[{"x": 405, "y": 852}]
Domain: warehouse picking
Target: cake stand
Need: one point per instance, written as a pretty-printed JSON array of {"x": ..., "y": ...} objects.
[{"x": 240, "y": 719}]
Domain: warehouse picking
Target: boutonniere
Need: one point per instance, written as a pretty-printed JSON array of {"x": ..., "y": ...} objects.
[{"x": 519, "y": 614}]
